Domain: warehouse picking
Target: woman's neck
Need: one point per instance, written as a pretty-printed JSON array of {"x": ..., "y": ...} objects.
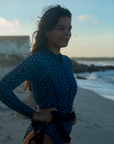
[{"x": 54, "y": 50}]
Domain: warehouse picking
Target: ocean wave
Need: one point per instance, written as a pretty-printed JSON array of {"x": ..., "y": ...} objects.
[{"x": 101, "y": 82}]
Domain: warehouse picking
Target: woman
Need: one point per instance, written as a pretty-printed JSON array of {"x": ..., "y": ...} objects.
[{"x": 48, "y": 74}]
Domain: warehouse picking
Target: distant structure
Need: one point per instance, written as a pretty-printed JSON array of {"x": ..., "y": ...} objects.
[{"x": 15, "y": 45}]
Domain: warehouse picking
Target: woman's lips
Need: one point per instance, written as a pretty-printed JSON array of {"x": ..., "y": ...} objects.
[{"x": 65, "y": 39}]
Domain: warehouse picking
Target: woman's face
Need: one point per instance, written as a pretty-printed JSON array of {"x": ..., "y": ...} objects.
[{"x": 59, "y": 37}]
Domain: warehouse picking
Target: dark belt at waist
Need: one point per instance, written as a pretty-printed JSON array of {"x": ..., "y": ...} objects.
[
  {"x": 62, "y": 118},
  {"x": 57, "y": 119}
]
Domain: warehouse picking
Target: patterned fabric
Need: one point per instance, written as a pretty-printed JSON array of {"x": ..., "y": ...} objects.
[{"x": 52, "y": 83}]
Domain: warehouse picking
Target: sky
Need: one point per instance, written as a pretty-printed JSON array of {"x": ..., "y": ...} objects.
[{"x": 92, "y": 22}]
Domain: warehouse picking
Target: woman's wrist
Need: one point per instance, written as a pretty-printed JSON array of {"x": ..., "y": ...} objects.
[{"x": 33, "y": 117}]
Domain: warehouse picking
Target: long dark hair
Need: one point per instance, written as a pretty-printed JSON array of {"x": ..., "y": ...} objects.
[{"x": 48, "y": 22}]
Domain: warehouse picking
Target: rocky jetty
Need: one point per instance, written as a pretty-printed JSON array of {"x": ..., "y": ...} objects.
[
  {"x": 10, "y": 60},
  {"x": 79, "y": 68},
  {"x": 81, "y": 77}
]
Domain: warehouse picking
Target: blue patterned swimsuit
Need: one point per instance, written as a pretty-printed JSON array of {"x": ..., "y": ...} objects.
[{"x": 52, "y": 83}]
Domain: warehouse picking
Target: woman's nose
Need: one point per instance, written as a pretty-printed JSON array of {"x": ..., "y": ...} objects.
[{"x": 68, "y": 33}]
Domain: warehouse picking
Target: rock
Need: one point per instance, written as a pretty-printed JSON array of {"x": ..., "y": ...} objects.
[
  {"x": 81, "y": 77},
  {"x": 79, "y": 68},
  {"x": 10, "y": 60}
]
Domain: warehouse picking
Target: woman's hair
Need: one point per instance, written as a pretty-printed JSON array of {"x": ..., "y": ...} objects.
[{"x": 48, "y": 21}]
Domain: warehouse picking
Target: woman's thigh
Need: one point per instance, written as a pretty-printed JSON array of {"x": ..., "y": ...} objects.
[{"x": 47, "y": 139}]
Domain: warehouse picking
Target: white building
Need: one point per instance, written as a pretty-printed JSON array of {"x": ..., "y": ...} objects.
[{"x": 17, "y": 45}]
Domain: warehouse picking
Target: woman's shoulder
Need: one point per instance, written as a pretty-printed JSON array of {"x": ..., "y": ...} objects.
[
  {"x": 39, "y": 59},
  {"x": 66, "y": 58},
  {"x": 37, "y": 56}
]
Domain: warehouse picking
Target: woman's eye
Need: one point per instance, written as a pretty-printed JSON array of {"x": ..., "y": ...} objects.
[
  {"x": 69, "y": 29},
  {"x": 61, "y": 28}
]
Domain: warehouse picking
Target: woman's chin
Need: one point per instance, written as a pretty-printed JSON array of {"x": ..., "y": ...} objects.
[{"x": 64, "y": 45}]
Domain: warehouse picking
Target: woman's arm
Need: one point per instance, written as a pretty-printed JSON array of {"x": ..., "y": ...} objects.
[{"x": 24, "y": 71}]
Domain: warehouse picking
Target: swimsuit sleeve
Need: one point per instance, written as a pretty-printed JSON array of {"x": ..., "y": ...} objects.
[{"x": 24, "y": 71}]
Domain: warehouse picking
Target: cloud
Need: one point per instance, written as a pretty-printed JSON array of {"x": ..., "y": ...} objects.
[
  {"x": 96, "y": 21},
  {"x": 8, "y": 27},
  {"x": 4, "y": 22},
  {"x": 88, "y": 17},
  {"x": 82, "y": 17},
  {"x": 14, "y": 27}
]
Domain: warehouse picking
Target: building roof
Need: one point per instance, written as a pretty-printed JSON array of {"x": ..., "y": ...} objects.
[{"x": 13, "y": 38}]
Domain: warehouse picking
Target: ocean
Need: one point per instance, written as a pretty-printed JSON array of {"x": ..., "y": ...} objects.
[{"x": 101, "y": 82}]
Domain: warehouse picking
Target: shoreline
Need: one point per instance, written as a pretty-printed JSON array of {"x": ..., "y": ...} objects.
[
  {"x": 101, "y": 82},
  {"x": 107, "y": 96}
]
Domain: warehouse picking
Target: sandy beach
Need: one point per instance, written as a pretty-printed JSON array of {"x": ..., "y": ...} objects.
[{"x": 95, "y": 118}]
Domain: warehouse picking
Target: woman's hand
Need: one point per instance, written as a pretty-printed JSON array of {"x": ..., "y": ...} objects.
[
  {"x": 43, "y": 115},
  {"x": 74, "y": 122}
]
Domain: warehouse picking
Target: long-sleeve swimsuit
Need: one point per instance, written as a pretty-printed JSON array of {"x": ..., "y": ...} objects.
[{"x": 52, "y": 83}]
